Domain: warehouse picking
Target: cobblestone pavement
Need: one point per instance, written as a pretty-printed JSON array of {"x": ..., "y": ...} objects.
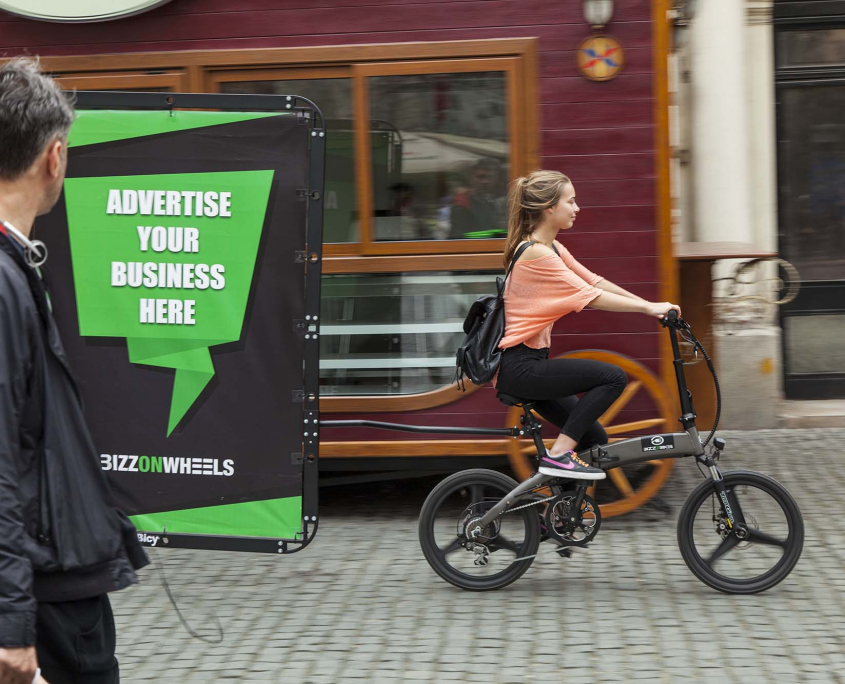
[{"x": 361, "y": 604}]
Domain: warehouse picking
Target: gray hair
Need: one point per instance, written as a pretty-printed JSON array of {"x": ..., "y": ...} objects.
[{"x": 34, "y": 111}]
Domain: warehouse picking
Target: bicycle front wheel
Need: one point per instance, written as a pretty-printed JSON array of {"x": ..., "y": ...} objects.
[
  {"x": 500, "y": 554},
  {"x": 759, "y": 551}
]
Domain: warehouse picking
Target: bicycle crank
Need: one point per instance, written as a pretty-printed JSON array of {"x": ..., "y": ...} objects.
[{"x": 570, "y": 524}]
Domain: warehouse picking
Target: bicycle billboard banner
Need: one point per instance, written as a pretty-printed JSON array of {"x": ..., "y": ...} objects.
[{"x": 180, "y": 284}]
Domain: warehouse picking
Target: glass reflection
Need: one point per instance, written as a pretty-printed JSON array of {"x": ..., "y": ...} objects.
[
  {"x": 814, "y": 170},
  {"x": 445, "y": 174},
  {"x": 394, "y": 333},
  {"x": 334, "y": 98},
  {"x": 811, "y": 47}
]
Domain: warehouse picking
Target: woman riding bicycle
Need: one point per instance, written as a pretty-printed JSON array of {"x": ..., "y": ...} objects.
[{"x": 547, "y": 283}]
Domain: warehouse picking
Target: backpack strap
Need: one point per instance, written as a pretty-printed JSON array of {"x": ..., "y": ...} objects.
[{"x": 518, "y": 254}]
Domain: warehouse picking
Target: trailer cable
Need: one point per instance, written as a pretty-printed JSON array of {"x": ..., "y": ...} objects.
[{"x": 188, "y": 628}]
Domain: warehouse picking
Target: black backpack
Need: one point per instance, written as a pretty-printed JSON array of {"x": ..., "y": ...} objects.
[{"x": 479, "y": 355}]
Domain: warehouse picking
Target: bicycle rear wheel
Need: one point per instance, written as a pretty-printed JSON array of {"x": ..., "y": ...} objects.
[
  {"x": 450, "y": 509},
  {"x": 761, "y": 549}
]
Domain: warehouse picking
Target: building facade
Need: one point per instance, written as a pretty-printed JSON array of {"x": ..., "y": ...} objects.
[
  {"x": 760, "y": 151},
  {"x": 431, "y": 108}
]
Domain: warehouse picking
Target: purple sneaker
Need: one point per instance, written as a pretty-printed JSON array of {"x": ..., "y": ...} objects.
[{"x": 568, "y": 465}]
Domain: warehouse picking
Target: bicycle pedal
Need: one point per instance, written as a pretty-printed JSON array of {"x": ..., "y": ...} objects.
[{"x": 570, "y": 551}]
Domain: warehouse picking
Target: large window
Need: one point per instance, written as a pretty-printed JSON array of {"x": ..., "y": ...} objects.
[
  {"x": 814, "y": 178},
  {"x": 812, "y": 47},
  {"x": 419, "y": 153},
  {"x": 418, "y": 158},
  {"x": 449, "y": 157},
  {"x": 333, "y": 94},
  {"x": 394, "y": 333}
]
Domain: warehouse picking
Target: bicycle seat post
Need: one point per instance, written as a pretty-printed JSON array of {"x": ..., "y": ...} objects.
[
  {"x": 534, "y": 427},
  {"x": 530, "y": 425}
]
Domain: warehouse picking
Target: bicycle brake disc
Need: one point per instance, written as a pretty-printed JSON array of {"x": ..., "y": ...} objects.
[{"x": 469, "y": 527}]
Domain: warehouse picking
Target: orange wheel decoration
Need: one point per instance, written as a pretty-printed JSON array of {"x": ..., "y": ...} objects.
[{"x": 628, "y": 487}]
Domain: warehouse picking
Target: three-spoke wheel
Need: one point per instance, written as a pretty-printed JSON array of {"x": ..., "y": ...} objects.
[
  {"x": 494, "y": 556},
  {"x": 755, "y": 552}
]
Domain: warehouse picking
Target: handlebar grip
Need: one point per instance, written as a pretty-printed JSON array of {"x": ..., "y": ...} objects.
[{"x": 672, "y": 316}]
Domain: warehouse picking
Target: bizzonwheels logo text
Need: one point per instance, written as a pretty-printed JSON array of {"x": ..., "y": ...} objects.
[{"x": 170, "y": 465}]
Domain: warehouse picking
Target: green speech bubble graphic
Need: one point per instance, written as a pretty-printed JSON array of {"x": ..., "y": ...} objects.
[{"x": 171, "y": 278}]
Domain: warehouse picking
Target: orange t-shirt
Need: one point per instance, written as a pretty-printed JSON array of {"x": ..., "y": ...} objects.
[{"x": 540, "y": 291}]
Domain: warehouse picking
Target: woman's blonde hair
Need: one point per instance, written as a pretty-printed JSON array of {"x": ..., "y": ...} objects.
[{"x": 529, "y": 196}]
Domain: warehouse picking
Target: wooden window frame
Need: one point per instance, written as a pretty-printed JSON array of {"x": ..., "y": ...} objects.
[
  {"x": 359, "y": 73},
  {"x": 173, "y": 82},
  {"x": 218, "y": 76}
]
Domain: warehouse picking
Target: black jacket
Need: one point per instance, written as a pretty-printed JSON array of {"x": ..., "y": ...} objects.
[{"x": 61, "y": 538}]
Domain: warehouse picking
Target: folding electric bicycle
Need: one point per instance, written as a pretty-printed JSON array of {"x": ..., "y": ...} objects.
[{"x": 740, "y": 532}]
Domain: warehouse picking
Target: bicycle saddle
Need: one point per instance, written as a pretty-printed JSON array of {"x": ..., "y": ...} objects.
[{"x": 510, "y": 400}]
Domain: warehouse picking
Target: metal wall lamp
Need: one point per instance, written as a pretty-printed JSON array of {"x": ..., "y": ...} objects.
[{"x": 598, "y": 13}]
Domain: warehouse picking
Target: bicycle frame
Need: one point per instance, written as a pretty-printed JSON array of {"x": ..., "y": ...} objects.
[
  {"x": 625, "y": 452},
  {"x": 630, "y": 451}
]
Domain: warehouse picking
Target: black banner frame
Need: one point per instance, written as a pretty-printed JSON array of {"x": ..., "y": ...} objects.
[{"x": 311, "y": 259}]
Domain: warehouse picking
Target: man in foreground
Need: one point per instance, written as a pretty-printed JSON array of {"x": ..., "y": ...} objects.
[{"x": 63, "y": 545}]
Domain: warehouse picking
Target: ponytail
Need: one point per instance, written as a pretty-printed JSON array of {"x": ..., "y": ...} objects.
[
  {"x": 516, "y": 218},
  {"x": 528, "y": 197}
]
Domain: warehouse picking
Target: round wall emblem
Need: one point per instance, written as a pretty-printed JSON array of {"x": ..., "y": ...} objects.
[
  {"x": 78, "y": 10},
  {"x": 600, "y": 58}
]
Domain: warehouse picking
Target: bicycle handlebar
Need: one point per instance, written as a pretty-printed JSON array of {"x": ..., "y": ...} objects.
[{"x": 672, "y": 320}]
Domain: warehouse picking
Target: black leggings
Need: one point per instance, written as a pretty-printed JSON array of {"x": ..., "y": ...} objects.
[{"x": 552, "y": 383}]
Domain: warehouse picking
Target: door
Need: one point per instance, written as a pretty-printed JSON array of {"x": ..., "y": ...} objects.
[{"x": 810, "y": 59}]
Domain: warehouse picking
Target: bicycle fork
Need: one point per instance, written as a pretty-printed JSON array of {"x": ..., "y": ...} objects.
[{"x": 728, "y": 502}]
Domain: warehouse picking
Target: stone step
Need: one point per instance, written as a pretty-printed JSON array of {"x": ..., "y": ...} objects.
[{"x": 810, "y": 413}]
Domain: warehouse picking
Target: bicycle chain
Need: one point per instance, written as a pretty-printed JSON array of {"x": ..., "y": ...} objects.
[{"x": 533, "y": 503}]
